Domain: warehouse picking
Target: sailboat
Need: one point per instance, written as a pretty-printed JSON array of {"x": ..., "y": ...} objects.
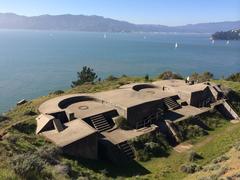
[
  {"x": 176, "y": 45},
  {"x": 105, "y": 36},
  {"x": 227, "y": 42},
  {"x": 213, "y": 41}
]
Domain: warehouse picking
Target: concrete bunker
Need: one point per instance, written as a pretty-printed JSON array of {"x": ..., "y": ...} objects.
[{"x": 78, "y": 123}]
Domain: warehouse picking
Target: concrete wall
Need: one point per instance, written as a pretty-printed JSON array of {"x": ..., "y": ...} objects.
[
  {"x": 85, "y": 148},
  {"x": 138, "y": 113},
  {"x": 199, "y": 97}
]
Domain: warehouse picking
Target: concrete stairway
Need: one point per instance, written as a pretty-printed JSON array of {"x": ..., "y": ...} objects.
[
  {"x": 170, "y": 103},
  {"x": 173, "y": 130},
  {"x": 126, "y": 148},
  {"x": 230, "y": 110},
  {"x": 100, "y": 123}
]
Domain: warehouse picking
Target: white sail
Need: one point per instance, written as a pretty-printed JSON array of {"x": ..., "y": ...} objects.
[
  {"x": 213, "y": 41},
  {"x": 105, "y": 36},
  {"x": 176, "y": 45},
  {"x": 227, "y": 42}
]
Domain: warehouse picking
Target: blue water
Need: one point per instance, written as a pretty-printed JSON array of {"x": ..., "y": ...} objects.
[{"x": 34, "y": 63}]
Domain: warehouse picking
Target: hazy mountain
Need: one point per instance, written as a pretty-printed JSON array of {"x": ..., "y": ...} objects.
[{"x": 101, "y": 24}]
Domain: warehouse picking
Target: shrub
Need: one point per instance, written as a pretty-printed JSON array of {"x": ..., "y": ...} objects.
[
  {"x": 169, "y": 75},
  {"x": 234, "y": 77},
  {"x": 29, "y": 113},
  {"x": 111, "y": 78},
  {"x": 122, "y": 123},
  {"x": 49, "y": 153},
  {"x": 150, "y": 145},
  {"x": 190, "y": 168},
  {"x": 237, "y": 146},
  {"x": 206, "y": 76},
  {"x": 57, "y": 92},
  {"x": 63, "y": 168},
  {"x": 142, "y": 155},
  {"x": 146, "y": 77},
  {"x": 211, "y": 167},
  {"x": 220, "y": 159},
  {"x": 188, "y": 131},
  {"x": 25, "y": 128},
  {"x": 195, "y": 131},
  {"x": 26, "y": 164},
  {"x": 193, "y": 156},
  {"x": 3, "y": 118}
]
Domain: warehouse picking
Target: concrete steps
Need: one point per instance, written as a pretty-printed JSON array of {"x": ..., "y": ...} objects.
[
  {"x": 126, "y": 148},
  {"x": 174, "y": 131},
  {"x": 100, "y": 123},
  {"x": 171, "y": 104}
]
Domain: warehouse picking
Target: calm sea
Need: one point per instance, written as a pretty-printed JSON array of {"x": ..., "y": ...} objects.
[{"x": 34, "y": 63}]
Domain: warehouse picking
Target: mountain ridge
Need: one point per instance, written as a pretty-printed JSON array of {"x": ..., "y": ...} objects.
[{"x": 95, "y": 23}]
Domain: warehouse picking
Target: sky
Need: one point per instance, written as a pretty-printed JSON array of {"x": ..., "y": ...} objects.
[{"x": 165, "y": 12}]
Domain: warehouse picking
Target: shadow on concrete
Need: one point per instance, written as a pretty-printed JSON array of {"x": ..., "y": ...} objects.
[
  {"x": 172, "y": 116},
  {"x": 200, "y": 123},
  {"x": 129, "y": 169}
]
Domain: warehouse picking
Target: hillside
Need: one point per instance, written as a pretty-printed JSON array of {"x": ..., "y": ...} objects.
[
  {"x": 21, "y": 151},
  {"x": 70, "y": 22},
  {"x": 227, "y": 35}
]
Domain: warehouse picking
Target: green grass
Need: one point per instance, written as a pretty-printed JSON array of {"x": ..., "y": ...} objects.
[
  {"x": 230, "y": 84},
  {"x": 209, "y": 147}
]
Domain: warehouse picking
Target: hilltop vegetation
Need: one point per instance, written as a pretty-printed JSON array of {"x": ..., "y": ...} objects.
[
  {"x": 23, "y": 155},
  {"x": 227, "y": 35}
]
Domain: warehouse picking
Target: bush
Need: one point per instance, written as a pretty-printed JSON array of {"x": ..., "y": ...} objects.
[
  {"x": 169, "y": 75},
  {"x": 122, "y": 123},
  {"x": 25, "y": 128},
  {"x": 206, "y": 76},
  {"x": 26, "y": 165},
  {"x": 187, "y": 130},
  {"x": 193, "y": 156},
  {"x": 29, "y": 113},
  {"x": 33, "y": 164},
  {"x": 146, "y": 78},
  {"x": 142, "y": 155},
  {"x": 3, "y": 118},
  {"x": 220, "y": 159},
  {"x": 111, "y": 78},
  {"x": 237, "y": 146},
  {"x": 49, "y": 153},
  {"x": 195, "y": 131},
  {"x": 211, "y": 167},
  {"x": 150, "y": 145},
  {"x": 234, "y": 77},
  {"x": 190, "y": 168},
  {"x": 57, "y": 92}
]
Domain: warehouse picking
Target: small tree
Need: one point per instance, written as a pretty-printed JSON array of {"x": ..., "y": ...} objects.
[
  {"x": 86, "y": 75},
  {"x": 146, "y": 78}
]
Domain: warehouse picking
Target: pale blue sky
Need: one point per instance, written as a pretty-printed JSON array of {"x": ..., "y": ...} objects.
[{"x": 166, "y": 12}]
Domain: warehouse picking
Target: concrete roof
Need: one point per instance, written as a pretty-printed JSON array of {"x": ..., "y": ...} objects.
[
  {"x": 42, "y": 121},
  {"x": 127, "y": 97},
  {"x": 51, "y": 105},
  {"x": 192, "y": 88},
  {"x": 73, "y": 131},
  {"x": 124, "y": 97},
  {"x": 86, "y": 109}
]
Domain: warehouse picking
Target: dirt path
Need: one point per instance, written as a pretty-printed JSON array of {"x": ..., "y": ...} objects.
[{"x": 183, "y": 147}]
